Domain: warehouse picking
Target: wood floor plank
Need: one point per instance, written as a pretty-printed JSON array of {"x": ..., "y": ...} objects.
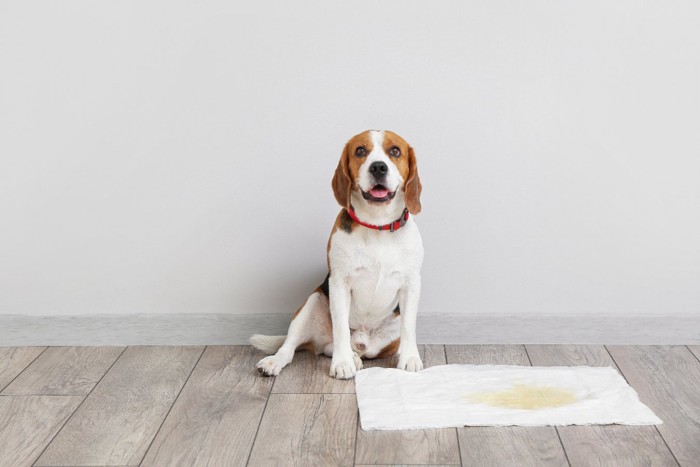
[
  {"x": 15, "y": 359},
  {"x": 410, "y": 446},
  {"x": 437, "y": 446},
  {"x": 511, "y": 445},
  {"x": 309, "y": 373},
  {"x": 215, "y": 419},
  {"x": 569, "y": 355},
  {"x": 119, "y": 419},
  {"x": 306, "y": 429},
  {"x": 27, "y": 424},
  {"x": 433, "y": 355},
  {"x": 667, "y": 379},
  {"x": 487, "y": 354},
  {"x": 613, "y": 445},
  {"x": 66, "y": 371}
]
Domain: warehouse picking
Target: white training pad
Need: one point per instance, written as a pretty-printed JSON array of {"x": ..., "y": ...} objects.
[{"x": 497, "y": 395}]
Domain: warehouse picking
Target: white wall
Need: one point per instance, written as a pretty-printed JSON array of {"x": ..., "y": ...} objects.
[{"x": 162, "y": 157}]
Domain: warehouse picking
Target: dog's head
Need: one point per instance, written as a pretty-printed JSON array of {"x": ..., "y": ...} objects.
[{"x": 378, "y": 168}]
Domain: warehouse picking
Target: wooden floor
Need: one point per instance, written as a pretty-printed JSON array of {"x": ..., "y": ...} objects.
[{"x": 173, "y": 406}]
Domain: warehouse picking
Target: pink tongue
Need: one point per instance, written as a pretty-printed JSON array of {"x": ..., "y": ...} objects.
[{"x": 379, "y": 192}]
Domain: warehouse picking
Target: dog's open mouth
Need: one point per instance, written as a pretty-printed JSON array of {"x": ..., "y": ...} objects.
[{"x": 378, "y": 194}]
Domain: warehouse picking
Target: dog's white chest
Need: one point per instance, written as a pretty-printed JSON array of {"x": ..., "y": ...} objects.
[
  {"x": 376, "y": 268},
  {"x": 375, "y": 282}
]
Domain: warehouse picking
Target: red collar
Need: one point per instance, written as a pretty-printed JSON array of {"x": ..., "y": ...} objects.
[{"x": 393, "y": 226}]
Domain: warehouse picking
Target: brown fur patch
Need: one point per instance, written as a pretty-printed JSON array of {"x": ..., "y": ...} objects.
[
  {"x": 342, "y": 182},
  {"x": 307, "y": 346},
  {"x": 390, "y": 349},
  {"x": 345, "y": 222},
  {"x": 391, "y": 139},
  {"x": 413, "y": 187},
  {"x": 346, "y": 174}
]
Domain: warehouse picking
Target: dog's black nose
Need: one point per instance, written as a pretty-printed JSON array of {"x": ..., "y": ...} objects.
[{"x": 378, "y": 169}]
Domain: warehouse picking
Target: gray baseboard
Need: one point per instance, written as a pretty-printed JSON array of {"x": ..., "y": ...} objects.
[{"x": 215, "y": 329}]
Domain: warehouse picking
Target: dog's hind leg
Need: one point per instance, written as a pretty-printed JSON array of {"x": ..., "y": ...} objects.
[
  {"x": 310, "y": 328},
  {"x": 385, "y": 339}
]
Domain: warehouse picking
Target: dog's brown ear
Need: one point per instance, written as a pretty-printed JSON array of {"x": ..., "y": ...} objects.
[
  {"x": 342, "y": 183},
  {"x": 413, "y": 186}
]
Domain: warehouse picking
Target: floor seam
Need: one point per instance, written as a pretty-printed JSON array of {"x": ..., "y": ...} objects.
[
  {"x": 23, "y": 370},
  {"x": 262, "y": 415},
  {"x": 527, "y": 354},
  {"x": 693, "y": 354},
  {"x": 655, "y": 426},
  {"x": 79, "y": 405},
  {"x": 556, "y": 429},
  {"x": 357, "y": 430},
  {"x": 172, "y": 405},
  {"x": 459, "y": 447}
]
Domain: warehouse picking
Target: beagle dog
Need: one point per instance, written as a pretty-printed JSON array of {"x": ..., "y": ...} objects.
[{"x": 367, "y": 305}]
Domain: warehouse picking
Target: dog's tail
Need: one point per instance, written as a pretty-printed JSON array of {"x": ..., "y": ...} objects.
[{"x": 268, "y": 344}]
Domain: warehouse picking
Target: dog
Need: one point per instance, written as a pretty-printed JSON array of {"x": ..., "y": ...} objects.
[{"x": 367, "y": 305}]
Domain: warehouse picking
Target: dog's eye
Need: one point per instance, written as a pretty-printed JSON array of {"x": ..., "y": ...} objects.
[
  {"x": 395, "y": 152},
  {"x": 360, "y": 152}
]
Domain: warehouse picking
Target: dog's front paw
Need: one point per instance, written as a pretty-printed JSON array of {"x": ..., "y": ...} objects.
[
  {"x": 270, "y": 366},
  {"x": 343, "y": 368},
  {"x": 410, "y": 363}
]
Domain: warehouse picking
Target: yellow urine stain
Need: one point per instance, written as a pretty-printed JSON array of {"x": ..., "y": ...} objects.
[{"x": 523, "y": 396}]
